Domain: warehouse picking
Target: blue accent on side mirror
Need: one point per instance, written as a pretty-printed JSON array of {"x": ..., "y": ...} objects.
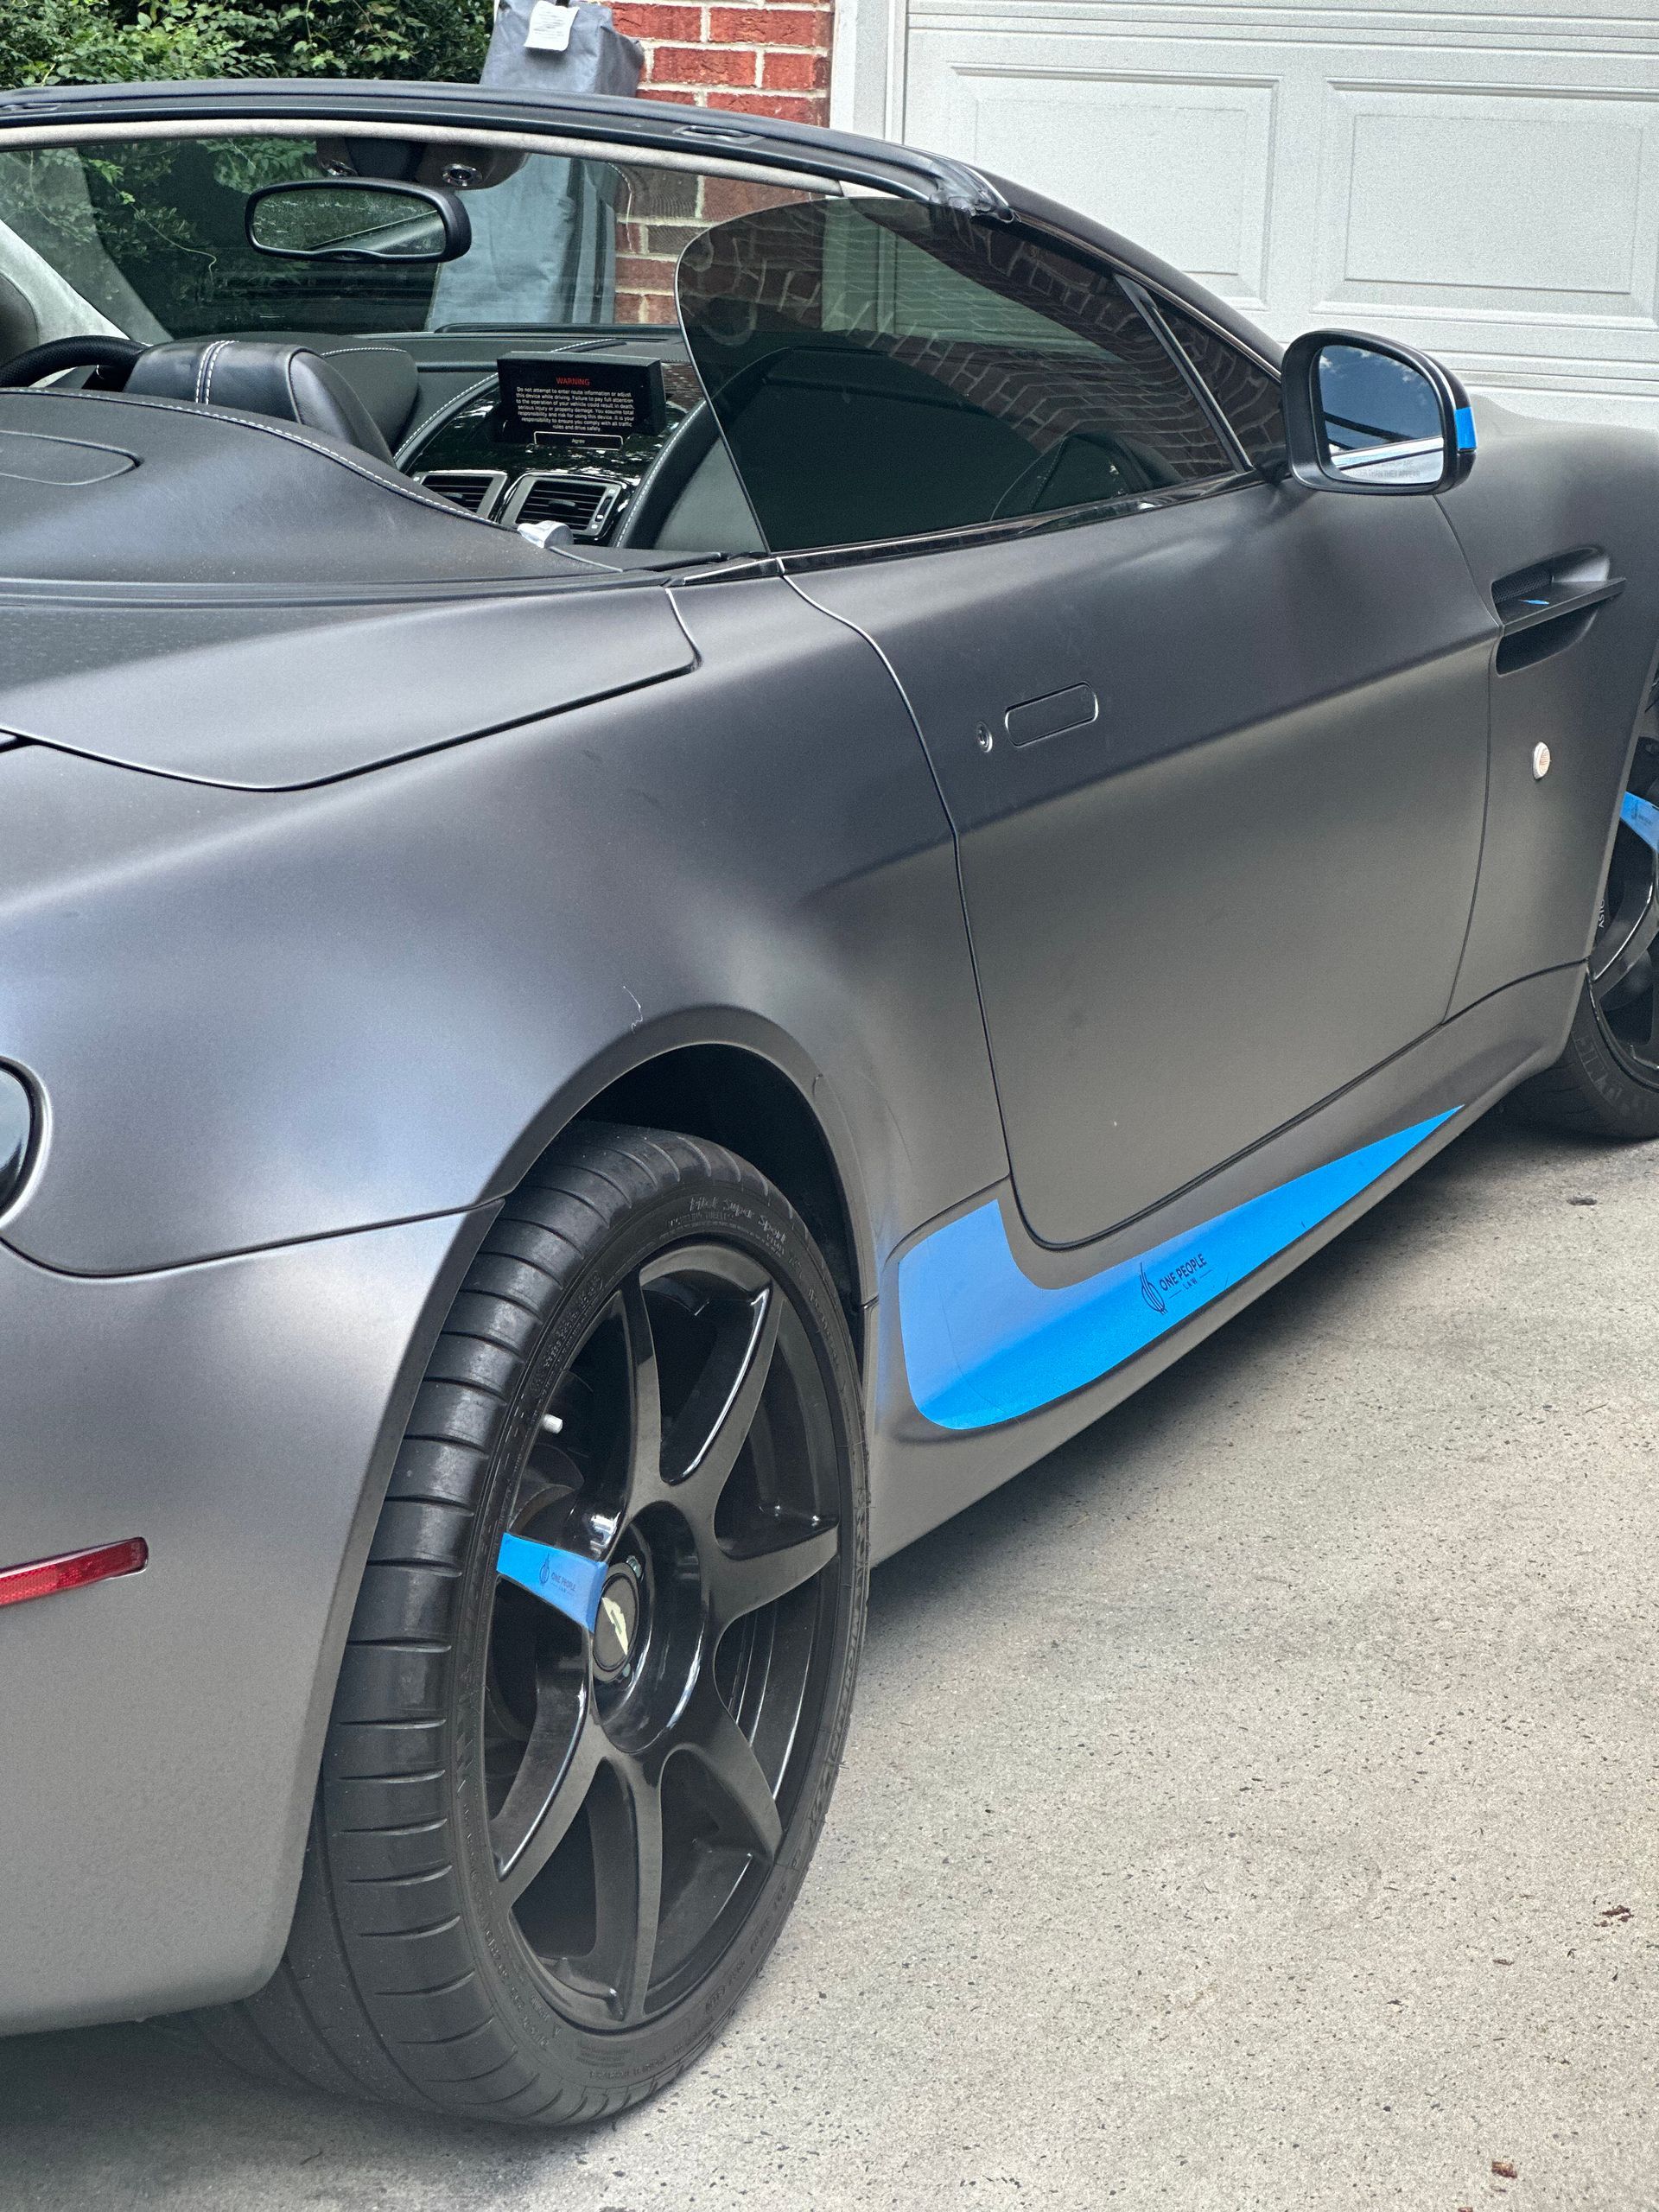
[
  {"x": 1368, "y": 416},
  {"x": 565, "y": 1581}
]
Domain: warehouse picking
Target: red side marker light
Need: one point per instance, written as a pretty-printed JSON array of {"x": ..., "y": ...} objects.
[{"x": 44, "y": 1578}]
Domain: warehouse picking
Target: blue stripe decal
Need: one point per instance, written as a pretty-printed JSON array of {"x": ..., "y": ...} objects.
[
  {"x": 984, "y": 1344},
  {"x": 565, "y": 1581},
  {"x": 1643, "y": 817},
  {"x": 1465, "y": 422}
]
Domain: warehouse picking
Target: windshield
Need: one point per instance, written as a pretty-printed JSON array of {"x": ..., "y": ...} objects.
[{"x": 149, "y": 238}]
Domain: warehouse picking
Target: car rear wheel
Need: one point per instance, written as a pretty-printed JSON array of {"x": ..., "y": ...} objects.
[
  {"x": 1606, "y": 1082},
  {"x": 599, "y": 1674}
]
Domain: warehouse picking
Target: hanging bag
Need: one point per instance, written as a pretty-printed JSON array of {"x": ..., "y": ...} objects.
[{"x": 543, "y": 250}]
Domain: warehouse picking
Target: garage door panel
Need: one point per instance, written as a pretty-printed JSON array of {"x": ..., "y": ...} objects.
[
  {"x": 1477, "y": 180},
  {"x": 1437, "y": 191},
  {"x": 1100, "y": 139}
]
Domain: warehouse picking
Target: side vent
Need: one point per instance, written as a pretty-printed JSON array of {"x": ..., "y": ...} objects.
[
  {"x": 478, "y": 490},
  {"x": 587, "y": 505}
]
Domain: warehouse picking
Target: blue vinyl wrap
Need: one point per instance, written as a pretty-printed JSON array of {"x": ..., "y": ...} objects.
[
  {"x": 984, "y": 1344},
  {"x": 565, "y": 1581},
  {"x": 1643, "y": 817},
  {"x": 1464, "y": 421}
]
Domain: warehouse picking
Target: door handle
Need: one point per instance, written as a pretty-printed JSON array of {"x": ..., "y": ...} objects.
[
  {"x": 1052, "y": 715},
  {"x": 1549, "y": 605}
]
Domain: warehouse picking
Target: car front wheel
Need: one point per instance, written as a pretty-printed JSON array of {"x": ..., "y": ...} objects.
[
  {"x": 1606, "y": 1082},
  {"x": 600, "y": 1671}
]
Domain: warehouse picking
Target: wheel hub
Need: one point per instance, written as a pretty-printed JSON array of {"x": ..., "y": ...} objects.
[{"x": 618, "y": 1632}]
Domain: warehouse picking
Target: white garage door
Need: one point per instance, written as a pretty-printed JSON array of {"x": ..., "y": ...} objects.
[{"x": 1482, "y": 182}]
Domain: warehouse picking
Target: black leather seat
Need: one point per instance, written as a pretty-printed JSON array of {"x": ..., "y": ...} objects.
[{"x": 258, "y": 376}]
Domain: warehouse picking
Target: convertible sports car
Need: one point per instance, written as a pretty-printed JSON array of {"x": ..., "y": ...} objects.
[{"x": 706, "y": 828}]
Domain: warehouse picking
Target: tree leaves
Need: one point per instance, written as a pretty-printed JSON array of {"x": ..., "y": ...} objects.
[{"x": 101, "y": 41}]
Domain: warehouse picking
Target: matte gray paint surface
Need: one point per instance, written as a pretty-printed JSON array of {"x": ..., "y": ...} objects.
[
  {"x": 1272, "y": 829},
  {"x": 160, "y": 1734},
  {"x": 276, "y": 1022},
  {"x": 365, "y": 1001}
]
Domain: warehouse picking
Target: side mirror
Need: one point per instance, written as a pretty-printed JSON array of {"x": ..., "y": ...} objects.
[
  {"x": 317, "y": 219},
  {"x": 1364, "y": 415}
]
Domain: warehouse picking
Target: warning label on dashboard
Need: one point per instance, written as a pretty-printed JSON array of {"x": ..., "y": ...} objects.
[{"x": 546, "y": 400}]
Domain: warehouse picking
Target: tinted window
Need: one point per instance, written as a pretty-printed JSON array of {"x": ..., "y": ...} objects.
[
  {"x": 881, "y": 369},
  {"x": 1247, "y": 394}
]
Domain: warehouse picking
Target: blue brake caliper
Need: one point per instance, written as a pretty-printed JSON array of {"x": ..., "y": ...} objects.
[{"x": 565, "y": 1581}]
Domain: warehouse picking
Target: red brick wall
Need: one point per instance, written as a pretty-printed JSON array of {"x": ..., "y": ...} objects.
[{"x": 769, "y": 57}]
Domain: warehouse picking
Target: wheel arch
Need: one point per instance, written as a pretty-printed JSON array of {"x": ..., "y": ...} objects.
[
  {"x": 733, "y": 1098},
  {"x": 737, "y": 1080}
]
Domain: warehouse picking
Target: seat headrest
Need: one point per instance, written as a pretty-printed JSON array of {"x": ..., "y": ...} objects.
[{"x": 258, "y": 376}]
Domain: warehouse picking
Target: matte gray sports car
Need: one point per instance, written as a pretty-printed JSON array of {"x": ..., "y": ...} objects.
[{"x": 637, "y": 956}]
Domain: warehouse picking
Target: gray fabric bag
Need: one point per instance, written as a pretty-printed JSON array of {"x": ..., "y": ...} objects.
[{"x": 543, "y": 248}]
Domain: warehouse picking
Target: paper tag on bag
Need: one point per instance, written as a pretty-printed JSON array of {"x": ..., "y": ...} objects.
[{"x": 551, "y": 26}]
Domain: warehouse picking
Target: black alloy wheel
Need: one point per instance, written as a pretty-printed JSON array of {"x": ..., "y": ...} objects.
[
  {"x": 1621, "y": 975},
  {"x": 1606, "y": 1082},
  {"x": 600, "y": 1673},
  {"x": 639, "y": 1774}
]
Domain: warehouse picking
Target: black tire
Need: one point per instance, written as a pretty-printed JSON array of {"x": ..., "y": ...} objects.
[
  {"x": 633, "y": 1266},
  {"x": 1606, "y": 1082}
]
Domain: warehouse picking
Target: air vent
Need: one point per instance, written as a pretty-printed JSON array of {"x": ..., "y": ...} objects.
[
  {"x": 586, "y": 504},
  {"x": 475, "y": 489}
]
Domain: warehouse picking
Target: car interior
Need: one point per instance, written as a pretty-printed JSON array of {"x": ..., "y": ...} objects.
[
  {"x": 531, "y": 341},
  {"x": 618, "y": 460}
]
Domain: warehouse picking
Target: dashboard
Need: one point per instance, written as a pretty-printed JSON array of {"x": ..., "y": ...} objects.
[{"x": 532, "y": 430}]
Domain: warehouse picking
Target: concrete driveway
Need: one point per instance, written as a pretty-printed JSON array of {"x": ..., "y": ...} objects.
[{"x": 1252, "y": 1807}]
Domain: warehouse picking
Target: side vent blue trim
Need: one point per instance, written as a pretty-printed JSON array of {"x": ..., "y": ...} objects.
[
  {"x": 984, "y": 1344},
  {"x": 1642, "y": 816}
]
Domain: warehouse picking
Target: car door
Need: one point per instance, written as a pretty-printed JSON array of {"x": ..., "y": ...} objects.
[{"x": 1214, "y": 747}]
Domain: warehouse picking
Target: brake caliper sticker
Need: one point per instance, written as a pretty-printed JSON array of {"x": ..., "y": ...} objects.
[{"x": 565, "y": 1581}]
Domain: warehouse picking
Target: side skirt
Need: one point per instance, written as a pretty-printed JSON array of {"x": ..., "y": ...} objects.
[{"x": 993, "y": 1349}]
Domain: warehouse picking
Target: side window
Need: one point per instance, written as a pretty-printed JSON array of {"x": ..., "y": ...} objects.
[
  {"x": 881, "y": 369},
  {"x": 1247, "y": 394}
]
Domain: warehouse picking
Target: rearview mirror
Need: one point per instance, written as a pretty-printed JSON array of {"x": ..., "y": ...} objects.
[
  {"x": 317, "y": 219},
  {"x": 1364, "y": 415}
]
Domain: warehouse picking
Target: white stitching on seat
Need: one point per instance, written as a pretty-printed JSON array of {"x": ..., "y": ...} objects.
[
  {"x": 442, "y": 415},
  {"x": 215, "y": 354}
]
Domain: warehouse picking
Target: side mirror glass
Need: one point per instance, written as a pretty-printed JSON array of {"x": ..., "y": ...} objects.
[
  {"x": 362, "y": 219},
  {"x": 1364, "y": 414}
]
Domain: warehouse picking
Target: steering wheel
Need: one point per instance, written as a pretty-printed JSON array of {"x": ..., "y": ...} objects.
[{"x": 115, "y": 355}]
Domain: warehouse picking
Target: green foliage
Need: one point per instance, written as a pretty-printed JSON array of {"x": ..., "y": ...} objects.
[{"x": 100, "y": 41}]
